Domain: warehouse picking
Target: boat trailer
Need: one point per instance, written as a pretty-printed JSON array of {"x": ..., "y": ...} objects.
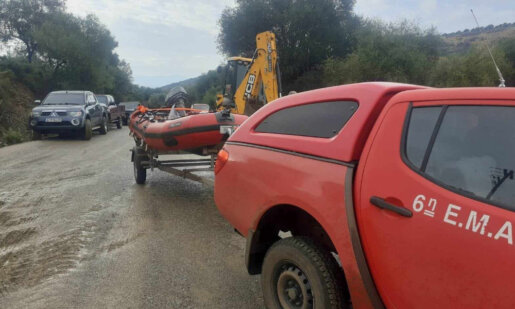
[{"x": 144, "y": 159}]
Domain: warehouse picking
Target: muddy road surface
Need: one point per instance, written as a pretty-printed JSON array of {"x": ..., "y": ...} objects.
[{"x": 77, "y": 232}]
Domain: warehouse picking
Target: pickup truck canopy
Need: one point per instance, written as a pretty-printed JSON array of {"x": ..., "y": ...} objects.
[{"x": 346, "y": 146}]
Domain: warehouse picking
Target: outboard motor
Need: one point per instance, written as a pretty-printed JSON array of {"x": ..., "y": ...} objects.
[{"x": 177, "y": 97}]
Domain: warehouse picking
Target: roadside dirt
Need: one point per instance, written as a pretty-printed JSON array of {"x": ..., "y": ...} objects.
[{"x": 76, "y": 231}]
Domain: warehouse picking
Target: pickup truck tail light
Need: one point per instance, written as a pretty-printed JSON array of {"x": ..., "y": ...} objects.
[{"x": 222, "y": 158}]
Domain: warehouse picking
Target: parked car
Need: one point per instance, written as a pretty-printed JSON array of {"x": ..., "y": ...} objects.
[
  {"x": 376, "y": 195},
  {"x": 68, "y": 112},
  {"x": 130, "y": 107},
  {"x": 115, "y": 112}
]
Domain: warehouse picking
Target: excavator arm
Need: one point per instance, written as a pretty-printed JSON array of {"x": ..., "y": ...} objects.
[{"x": 262, "y": 82}]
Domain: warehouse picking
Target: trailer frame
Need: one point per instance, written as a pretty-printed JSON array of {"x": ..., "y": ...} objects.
[{"x": 144, "y": 159}]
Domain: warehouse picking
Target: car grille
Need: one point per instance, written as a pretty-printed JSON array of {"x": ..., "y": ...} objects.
[{"x": 50, "y": 113}]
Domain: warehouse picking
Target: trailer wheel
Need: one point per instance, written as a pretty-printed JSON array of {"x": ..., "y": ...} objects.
[
  {"x": 119, "y": 123},
  {"x": 299, "y": 274},
  {"x": 140, "y": 173}
]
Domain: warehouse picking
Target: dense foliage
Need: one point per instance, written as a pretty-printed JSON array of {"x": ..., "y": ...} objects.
[
  {"x": 56, "y": 50},
  {"x": 15, "y": 99},
  {"x": 405, "y": 53}
]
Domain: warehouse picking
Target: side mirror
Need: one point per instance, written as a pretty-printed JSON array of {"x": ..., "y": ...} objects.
[{"x": 37, "y": 102}]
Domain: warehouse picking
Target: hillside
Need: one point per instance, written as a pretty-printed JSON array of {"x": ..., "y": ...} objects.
[
  {"x": 461, "y": 41},
  {"x": 183, "y": 83}
]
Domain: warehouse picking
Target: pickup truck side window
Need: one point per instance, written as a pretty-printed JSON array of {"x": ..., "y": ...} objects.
[
  {"x": 421, "y": 126},
  {"x": 322, "y": 120},
  {"x": 474, "y": 152}
]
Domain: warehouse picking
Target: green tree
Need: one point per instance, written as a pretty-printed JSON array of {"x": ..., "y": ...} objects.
[
  {"x": 308, "y": 32},
  {"x": 475, "y": 68},
  {"x": 387, "y": 52},
  {"x": 20, "y": 18},
  {"x": 156, "y": 100},
  {"x": 79, "y": 52}
]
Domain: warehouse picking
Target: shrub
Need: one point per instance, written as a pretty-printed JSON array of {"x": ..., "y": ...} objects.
[{"x": 11, "y": 137}]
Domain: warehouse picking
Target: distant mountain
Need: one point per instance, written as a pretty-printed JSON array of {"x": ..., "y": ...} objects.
[
  {"x": 183, "y": 83},
  {"x": 476, "y": 31},
  {"x": 461, "y": 41}
]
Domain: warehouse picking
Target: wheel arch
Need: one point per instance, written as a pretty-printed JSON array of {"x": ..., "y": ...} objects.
[{"x": 282, "y": 218}]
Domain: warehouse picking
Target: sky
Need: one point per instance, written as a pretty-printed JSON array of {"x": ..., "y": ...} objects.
[{"x": 166, "y": 41}]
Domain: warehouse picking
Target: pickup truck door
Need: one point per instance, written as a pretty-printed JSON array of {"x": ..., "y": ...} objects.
[
  {"x": 436, "y": 205},
  {"x": 95, "y": 110},
  {"x": 91, "y": 110}
]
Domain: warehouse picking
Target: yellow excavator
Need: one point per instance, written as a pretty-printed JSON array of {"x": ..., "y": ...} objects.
[{"x": 253, "y": 82}]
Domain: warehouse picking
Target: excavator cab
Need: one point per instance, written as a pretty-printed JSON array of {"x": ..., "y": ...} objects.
[{"x": 235, "y": 72}]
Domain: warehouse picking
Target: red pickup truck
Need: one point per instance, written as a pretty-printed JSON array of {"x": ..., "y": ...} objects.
[{"x": 377, "y": 195}]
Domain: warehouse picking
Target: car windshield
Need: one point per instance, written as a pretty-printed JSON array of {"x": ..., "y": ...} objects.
[
  {"x": 102, "y": 99},
  {"x": 64, "y": 99}
]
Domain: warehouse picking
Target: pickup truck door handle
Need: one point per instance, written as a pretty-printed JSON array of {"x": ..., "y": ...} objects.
[{"x": 381, "y": 203}]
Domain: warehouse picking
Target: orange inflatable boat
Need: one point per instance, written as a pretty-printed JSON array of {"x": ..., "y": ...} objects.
[{"x": 182, "y": 129}]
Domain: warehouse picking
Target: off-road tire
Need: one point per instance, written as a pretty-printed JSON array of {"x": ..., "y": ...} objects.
[
  {"x": 87, "y": 131},
  {"x": 119, "y": 123},
  {"x": 36, "y": 136},
  {"x": 297, "y": 266},
  {"x": 104, "y": 126},
  {"x": 140, "y": 173}
]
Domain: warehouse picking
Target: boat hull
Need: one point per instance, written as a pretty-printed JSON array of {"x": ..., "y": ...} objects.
[{"x": 191, "y": 133}]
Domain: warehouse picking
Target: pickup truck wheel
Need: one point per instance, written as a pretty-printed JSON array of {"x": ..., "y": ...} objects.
[
  {"x": 299, "y": 274},
  {"x": 87, "y": 133},
  {"x": 140, "y": 173},
  {"x": 103, "y": 126},
  {"x": 119, "y": 123}
]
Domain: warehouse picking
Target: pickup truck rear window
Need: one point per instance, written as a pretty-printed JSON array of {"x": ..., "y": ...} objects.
[
  {"x": 472, "y": 150},
  {"x": 322, "y": 120},
  {"x": 102, "y": 99}
]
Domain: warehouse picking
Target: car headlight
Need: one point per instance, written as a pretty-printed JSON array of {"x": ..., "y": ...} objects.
[
  {"x": 36, "y": 113},
  {"x": 76, "y": 114}
]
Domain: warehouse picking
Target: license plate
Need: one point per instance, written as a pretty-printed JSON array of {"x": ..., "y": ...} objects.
[{"x": 53, "y": 120}]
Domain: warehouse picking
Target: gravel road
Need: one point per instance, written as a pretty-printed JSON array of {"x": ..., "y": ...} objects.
[{"x": 77, "y": 232}]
